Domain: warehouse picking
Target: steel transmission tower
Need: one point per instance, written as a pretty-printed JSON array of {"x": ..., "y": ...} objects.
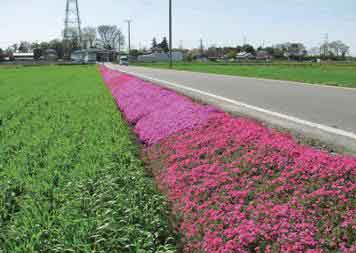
[{"x": 72, "y": 27}]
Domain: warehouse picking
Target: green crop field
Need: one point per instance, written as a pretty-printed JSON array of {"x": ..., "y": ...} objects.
[
  {"x": 328, "y": 74},
  {"x": 70, "y": 177}
]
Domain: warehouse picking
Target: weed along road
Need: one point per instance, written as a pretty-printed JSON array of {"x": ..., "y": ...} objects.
[{"x": 322, "y": 112}]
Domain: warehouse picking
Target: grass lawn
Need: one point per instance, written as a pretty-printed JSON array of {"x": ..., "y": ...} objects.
[
  {"x": 332, "y": 74},
  {"x": 70, "y": 177}
]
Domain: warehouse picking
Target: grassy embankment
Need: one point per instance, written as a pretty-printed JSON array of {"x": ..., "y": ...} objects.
[
  {"x": 343, "y": 75},
  {"x": 70, "y": 179}
]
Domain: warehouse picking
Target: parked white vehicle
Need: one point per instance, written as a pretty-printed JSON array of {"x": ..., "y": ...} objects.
[{"x": 124, "y": 60}]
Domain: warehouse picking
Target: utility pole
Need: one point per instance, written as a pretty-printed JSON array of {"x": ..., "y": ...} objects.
[
  {"x": 201, "y": 47},
  {"x": 170, "y": 35},
  {"x": 326, "y": 44},
  {"x": 120, "y": 43},
  {"x": 128, "y": 21},
  {"x": 181, "y": 45},
  {"x": 245, "y": 41}
]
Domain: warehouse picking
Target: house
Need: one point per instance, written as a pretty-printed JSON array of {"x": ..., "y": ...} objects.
[
  {"x": 160, "y": 56},
  {"x": 92, "y": 55},
  {"x": 263, "y": 55},
  {"x": 23, "y": 56},
  {"x": 77, "y": 56},
  {"x": 243, "y": 56},
  {"x": 50, "y": 55},
  {"x": 201, "y": 58}
]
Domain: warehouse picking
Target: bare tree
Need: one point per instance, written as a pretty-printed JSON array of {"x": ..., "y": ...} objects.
[
  {"x": 338, "y": 48},
  {"x": 345, "y": 50},
  {"x": 14, "y": 47},
  {"x": 119, "y": 40},
  {"x": 108, "y": 34},
  {"x": 25, "y": 47}
]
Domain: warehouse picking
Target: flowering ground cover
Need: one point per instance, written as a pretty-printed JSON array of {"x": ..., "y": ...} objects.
[
  {"x": 70, "y": 176},
  {"x": 235, "y": 185}
]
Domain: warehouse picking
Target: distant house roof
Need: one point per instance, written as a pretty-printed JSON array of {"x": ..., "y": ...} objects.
[
  {"x": 50, "y": 51},
  {"x": 157, "y": 49},
  {"x": 263, "y": 55},
  {"x": 244, "y": 55},
  {"x": 295, "y": 53},
  {"x": 23, "y": 54},
  {"x": 156, "y": 56}
]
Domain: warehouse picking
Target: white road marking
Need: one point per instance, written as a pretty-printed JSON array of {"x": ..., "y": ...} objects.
[{"x": 324, "y": 128}]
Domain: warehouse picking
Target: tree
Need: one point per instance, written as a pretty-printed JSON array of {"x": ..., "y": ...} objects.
[
  {"x": 89, "y": 36},
  {"x": 108, "y": 35},
  {"x": 14, "y": 47},
  {"x": 192, "y": 54},
  {"x": 57, "y": 45},
  {"x": 345, "y": 50},
  {"x": 24, "y": 47},
  {"x": 270, "y": 50},
  {"x": 291, "y": 50},
  {"x": 297, "y": 49},
  {"x": 338, "y": 48},
  {"x": 35, "y": 45},
  {"x": 275, "y": 52},
  {"x": 2, "y": 56},
  {"x": 239, "y": 49},
  {"x": 37, "y": 53},
  {"x": 44, "y": 45},
  {"x": 212, "y": 52},
  {"x": 10, "y": 53},
  {"x": 164, "y": 45},
  {"x": 154, "y": 43},
  {"x": 231, "y": 54},
  {"x": 119, "y": 40},
  {"x": 248, "y": 49},
  {"x": 135, "y": 52}
]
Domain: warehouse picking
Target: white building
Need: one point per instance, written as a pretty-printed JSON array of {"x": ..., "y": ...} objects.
[{"x": 23, "y": 56}]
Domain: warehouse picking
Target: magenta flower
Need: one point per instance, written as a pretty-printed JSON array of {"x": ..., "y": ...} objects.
[{"x": 235, "y": 185}]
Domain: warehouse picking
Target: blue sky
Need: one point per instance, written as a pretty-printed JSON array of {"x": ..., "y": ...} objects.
[{"x": 224, "y": 22}]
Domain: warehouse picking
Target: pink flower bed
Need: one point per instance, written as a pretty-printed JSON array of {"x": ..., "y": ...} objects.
[
  {"x": 156, "y": 112},
  {"x": 237, "y": 186}
]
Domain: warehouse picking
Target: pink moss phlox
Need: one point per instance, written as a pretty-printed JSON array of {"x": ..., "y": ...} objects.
[
  {"x": 236, "y": 185},
  {"x": 156, "y": 112}
]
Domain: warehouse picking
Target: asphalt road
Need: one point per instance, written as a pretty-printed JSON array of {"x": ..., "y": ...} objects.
[{"x": 329, "y": 106}]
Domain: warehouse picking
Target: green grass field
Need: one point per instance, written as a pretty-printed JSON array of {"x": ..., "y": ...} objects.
[
  {"x": 327, "y": 74},
  {"x": 70, "y": 177}
]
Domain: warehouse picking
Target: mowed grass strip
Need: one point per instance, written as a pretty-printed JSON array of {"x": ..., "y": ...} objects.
[
  {"x": 327, "y": 74},
  {"x": 70, "y": 177}
]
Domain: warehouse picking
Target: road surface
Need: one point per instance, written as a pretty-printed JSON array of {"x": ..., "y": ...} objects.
[{"x": 331, "y": 108}]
